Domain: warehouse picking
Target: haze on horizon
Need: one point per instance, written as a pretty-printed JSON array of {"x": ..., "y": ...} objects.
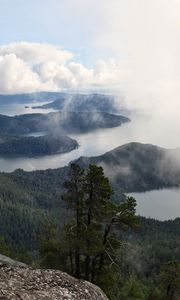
[{"x": 131, "y": 46}]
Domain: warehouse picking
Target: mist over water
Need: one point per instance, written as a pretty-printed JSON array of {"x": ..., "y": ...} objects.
[
  {"x": 20, "y": 109},
  {"x": 144, "y": 127}
]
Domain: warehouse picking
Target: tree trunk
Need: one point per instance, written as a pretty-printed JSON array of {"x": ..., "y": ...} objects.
[
  {"x": 71, "y": 261},
  {"x": 88, "y": 259},
  {"x": 93, "y": 270},
  {"x": 77, "y": 263},
  {"x": 106, "y": 233},
  {"x": 77, "y": 251}
]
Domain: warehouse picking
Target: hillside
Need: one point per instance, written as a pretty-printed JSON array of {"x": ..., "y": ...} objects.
[
  {"x": 26, "y": 198},
  {"x": 29, "y": 97},
  {"x": 139, "y": 167},
  {"x": 80, "y": 103},
  {"x": 60, "y": 122},
  {"x": 74, "y": 102},
  {"x": 35, "y": 146}
]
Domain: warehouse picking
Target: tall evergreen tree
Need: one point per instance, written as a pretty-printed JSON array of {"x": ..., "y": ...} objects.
[
  {"x": 98, "y": 202},
  {"x": 92, "y": 235},
  {"x": 75, "y": 199}
]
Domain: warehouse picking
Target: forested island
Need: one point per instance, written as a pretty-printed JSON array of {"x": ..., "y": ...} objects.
[
  {"x": 83, "y": 102},
  {"x": 60, "y": 122},
  {"x": 31, "y": 146}
]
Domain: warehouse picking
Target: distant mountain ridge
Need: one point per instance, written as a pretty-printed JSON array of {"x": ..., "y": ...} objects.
[
  {"x": 68, "y": 101},
  {"x": 82, "y": 102},
  {"x": 139, "y": 167},
  {"x": 26, "y": 198},
  {"x": 59, "y": 122},
  {"x": 29, "y": 97}
]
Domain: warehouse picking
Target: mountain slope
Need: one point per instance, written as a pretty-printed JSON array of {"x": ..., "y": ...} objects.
[
  {"x": 59, "y": 122},
  {"x": 27, "y": 198},
  {"x": 138, "y": 167},
  {"x": 82, "y": 102}
]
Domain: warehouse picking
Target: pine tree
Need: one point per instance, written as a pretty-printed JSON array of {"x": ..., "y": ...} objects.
[
  {"x": 75, "y": 199},
  {"x": 91, "y": 235},
  {"x": 98, "y": 201},
  {"x": 50, "y": 246}
]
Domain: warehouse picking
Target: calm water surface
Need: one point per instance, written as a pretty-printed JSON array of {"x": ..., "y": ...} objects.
[
  {"x": 90, "y": 144},
  {"x": 19, "y": 109},
  {"x": 159, "y": 204},
  {"x": 162, "y": 204}
]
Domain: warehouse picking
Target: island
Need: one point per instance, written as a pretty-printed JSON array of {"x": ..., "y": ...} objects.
[
  {"x": 60, "y": 122},
  {"x": 32, "y": 146}
]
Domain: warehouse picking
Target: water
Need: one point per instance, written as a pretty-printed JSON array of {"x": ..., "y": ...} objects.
[
  {"x": 142, "y": 128},
  {"x": 162, "y": 204},
  {"x": 19, "y": 109},
  {"x": 90, "y": 144},
  {"x": 159, "y": 204}
]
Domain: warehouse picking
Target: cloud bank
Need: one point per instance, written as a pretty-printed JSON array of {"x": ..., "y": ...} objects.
[
  {"x": 31, "y": 67},
  {"x": 146, "y": 34}
]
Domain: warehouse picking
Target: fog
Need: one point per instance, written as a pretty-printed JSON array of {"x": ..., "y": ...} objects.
[
  {"x": 143, "y": 37},
  {"x": 141, "y": 41},
  {"x": 14, "y": 109}
]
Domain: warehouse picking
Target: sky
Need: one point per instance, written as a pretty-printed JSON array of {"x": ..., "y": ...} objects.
[
  {"x": 71, "y": 24},
  {"x": 66, "y": 31},
  {"x": 132, "y": 45}
]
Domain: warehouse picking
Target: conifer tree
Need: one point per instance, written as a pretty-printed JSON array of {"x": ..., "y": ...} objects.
[
  {"x": 91, "y": 236},
  {"x": 75, "y": 199}
]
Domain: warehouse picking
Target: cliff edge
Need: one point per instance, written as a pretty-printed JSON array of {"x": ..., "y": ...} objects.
[{"x": 18, "y": 281}]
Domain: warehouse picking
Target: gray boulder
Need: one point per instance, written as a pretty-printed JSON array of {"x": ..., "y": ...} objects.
[{"x": 18, "y": 281}]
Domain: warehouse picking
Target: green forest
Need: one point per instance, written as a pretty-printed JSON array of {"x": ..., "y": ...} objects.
[
  {"x": 71, "y": 219},
  {"x": 30, "y": 146}
]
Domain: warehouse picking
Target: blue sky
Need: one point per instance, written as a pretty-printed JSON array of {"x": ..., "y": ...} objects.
[
  {"x": 141, "y": 35},
  {"x": 59, "y": 22},
  {"x": 130, "y": 45},
  {"x": 52, "y": 45}
]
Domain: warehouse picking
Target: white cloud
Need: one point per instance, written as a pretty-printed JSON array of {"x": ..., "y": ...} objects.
[
  {"x": 30, "y": 67},
  {"x": 146, "y": 34}
]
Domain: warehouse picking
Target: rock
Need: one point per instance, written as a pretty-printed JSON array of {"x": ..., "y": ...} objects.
[
  {"x": 18, "y": 281},
  {"x": 7, "y": 260}
]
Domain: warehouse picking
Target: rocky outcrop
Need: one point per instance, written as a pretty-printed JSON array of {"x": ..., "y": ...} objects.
[{"x": 18, "y": 281}]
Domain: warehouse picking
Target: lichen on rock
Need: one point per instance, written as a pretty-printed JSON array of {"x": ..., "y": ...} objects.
[{"x": 18, "y": 281}]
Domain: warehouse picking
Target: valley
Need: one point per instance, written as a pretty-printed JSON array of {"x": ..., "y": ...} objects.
[
  {"x": 35, "y": 158},
  {"x": 134, "y": 167}
]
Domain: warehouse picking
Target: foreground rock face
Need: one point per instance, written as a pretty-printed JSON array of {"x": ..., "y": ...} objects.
[{"x": 18, "y": 281}]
